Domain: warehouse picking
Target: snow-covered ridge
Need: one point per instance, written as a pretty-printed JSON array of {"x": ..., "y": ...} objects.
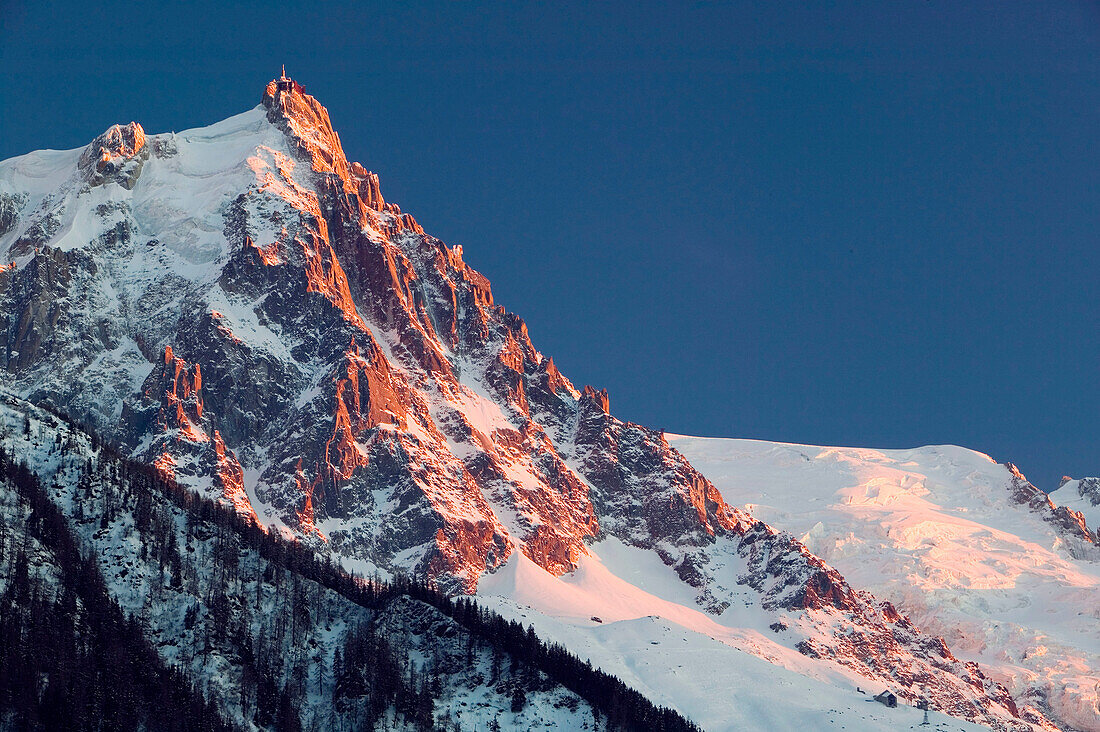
[
  {"x": 936, "y": 531},
  {"x": 1082, "y": 496}
]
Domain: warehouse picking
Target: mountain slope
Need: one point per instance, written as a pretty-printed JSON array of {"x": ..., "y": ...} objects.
[
  {"x": 274, "y": 637},
  {"x": 240, "y": 307},
  {"x": 1082, "y": 496},
  {"x": 69, "y": 658},
  {"x": 965, "y": 547}
]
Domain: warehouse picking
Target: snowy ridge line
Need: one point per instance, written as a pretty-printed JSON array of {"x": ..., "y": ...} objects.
[
  {"x": 1081, "y": 496},
  {"x": 961, "y": 544}
]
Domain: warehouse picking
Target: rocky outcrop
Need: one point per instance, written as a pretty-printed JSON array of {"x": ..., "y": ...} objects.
[
  {"x": 872, "y": 638},
  {"x": 1070, "y": 523},
  {"x": 117, "y": 155},
  {"x": 11, "y": 206},
  {"x": 789, "y": 577},
  {"x": 171, "y": 430},
  {"x": 33, "y": 305}
]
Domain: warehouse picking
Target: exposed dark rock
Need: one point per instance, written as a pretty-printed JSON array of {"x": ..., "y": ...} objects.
[{"x": 1070, "y": 523}]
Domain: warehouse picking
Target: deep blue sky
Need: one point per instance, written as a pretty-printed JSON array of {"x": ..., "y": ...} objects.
[{"x": 862, "y": 224}]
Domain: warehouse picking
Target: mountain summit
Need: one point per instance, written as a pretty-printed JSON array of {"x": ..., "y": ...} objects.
[{"x": 239, "y": 306}]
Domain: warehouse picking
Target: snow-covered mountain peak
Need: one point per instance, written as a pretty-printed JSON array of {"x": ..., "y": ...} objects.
[
  {"x": 307, "y": 122},
  {"x": 1087, "y": 488},
  {"x": 238, "y": 306}
]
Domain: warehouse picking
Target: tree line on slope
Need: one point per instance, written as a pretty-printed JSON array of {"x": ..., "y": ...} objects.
[
  {"x": 69, "y": 658},
  {"x": 368, "y": 672},
  {"x": 115, "y": 680}
]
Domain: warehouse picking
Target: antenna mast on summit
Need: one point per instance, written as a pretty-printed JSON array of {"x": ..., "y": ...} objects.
[{"x": 284, "y": 72}]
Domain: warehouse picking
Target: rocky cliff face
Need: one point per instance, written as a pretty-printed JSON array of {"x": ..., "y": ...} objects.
[
  {"x": 117, "y": 155},
  {"x": 1089, "y": 488},
  {"x": 1077, "y": 503},
  {"x": 240, "y": 307},
  {"x": 1080, "y": 540}
]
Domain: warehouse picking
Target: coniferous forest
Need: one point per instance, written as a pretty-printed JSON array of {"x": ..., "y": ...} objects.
[
  {"x": 129, "y": 602},
  {"x": 73, "y": 660}
]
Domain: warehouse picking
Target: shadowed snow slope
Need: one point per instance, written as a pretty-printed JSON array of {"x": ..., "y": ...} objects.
[{"x": 937, "y": 531}]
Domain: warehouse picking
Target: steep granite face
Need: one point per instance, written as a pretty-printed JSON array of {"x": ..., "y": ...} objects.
[
  {"x": 117, "y": 155},
  {"x": 240, "y": 307}
]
